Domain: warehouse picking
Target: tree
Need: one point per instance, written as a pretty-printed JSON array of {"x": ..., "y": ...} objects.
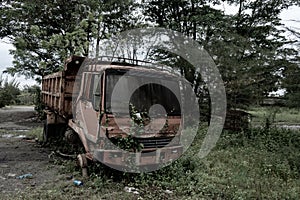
[
  {"x": 45, "y": 34},
  {"x": 292, "y": 85},
  {"x": 247, "y": 47},
  {"x": 117, "y": 16},
  {"x": 36, "y": 30},
  {"x": 254, "y": 52},
  {"x": 291, "y": 74}
]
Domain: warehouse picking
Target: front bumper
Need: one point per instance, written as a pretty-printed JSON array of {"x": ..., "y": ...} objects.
[{"x": 147, "y": 157}]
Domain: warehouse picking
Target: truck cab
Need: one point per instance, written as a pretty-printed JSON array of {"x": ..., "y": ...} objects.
[{"x": 127, "y": 116}]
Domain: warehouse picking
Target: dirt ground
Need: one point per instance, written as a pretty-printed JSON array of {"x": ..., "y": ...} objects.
[
  {"x": 51, "y": 175},
  {"x": 21, "y": 155}
]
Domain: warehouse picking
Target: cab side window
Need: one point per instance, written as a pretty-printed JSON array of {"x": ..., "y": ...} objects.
[
  {"x": 92, "y": 89},
  {"x": 87, "y": 85},
  {"x": 95, "y": 91}
]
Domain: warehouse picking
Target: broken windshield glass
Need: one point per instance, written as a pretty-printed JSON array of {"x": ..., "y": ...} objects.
[{"x": 155, "y": 91}]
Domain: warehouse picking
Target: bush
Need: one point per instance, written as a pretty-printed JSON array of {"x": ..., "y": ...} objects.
[
  {"x": 8, "y": 91},
  {"x": 261, "y": 163},
  {"x": 31, "y": 95}
]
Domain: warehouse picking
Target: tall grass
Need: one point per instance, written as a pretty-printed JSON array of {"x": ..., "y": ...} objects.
[
  {"x": 260, "y": 163},
  {"x": 282, "y": 115}
]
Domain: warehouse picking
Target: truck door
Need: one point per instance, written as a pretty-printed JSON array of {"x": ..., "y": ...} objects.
[{"x": 89, "y": 104}]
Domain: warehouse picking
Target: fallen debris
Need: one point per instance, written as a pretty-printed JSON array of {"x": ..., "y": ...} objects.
[
  {"x": 78, "y": 183},
  {"x": 65, "y": 155},
  {"x": 10, "y": 175},
  {"x": 168, "y": 191},
  {"x": 131, "y": 190},
  {"x": 25, "y": 176}
]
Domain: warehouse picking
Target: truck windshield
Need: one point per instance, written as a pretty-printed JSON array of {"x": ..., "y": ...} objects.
[{"x": 151, "y": 93}]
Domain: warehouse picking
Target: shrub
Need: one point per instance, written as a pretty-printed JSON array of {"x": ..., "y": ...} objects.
[{"x": 8, "y": 91}]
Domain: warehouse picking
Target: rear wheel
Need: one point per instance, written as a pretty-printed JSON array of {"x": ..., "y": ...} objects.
[{"x": 52, "y": 131}]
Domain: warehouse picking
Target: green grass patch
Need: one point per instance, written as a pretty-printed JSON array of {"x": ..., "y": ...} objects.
[
  {"x": 36, "y": 133},
  {"x": 256, "y": 164},
  {"x": 5, "y": 132},
  {"x": 259, "y": 164},
  {"x": 277, "y": 115}
]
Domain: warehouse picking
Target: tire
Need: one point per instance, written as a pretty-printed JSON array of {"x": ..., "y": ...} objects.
[
  {"x": 52, "y": 131},
  {"x": 72, "y": 137}
]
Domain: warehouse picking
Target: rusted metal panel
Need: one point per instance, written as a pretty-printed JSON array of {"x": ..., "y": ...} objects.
[
  {"x": 161, "y": 156},
  {"x": 57, "y": 88},
  {"x": 113, "y": 129},
  {"x": 93, "y": 127}
]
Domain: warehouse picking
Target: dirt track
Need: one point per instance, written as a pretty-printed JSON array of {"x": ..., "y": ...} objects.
[{"x": 19, "y": 154}]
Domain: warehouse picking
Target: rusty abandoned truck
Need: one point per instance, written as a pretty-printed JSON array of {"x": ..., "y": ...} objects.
[{"x": 78, "y": 103}]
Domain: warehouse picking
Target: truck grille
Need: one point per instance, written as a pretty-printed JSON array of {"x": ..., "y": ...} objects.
[{"x": 155, "y": 142}]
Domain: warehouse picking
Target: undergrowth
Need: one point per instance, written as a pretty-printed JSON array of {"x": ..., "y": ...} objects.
[{"x": 259, "y": 163}]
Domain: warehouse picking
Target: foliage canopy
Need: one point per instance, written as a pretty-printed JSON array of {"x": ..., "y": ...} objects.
[{"x": 248, "y": 47}]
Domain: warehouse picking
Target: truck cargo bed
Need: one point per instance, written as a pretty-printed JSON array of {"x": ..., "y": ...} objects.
[{"x": 58, "y": 88}]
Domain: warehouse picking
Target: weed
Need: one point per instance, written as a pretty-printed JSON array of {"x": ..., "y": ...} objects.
[
  {"x": 258, "y": 163},
  {"x": 282, "y": 115},
  {"x": 36, "y": 133}
]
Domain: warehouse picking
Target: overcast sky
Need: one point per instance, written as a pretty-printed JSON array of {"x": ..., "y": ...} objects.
[{"x": 288, "y": 18}]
